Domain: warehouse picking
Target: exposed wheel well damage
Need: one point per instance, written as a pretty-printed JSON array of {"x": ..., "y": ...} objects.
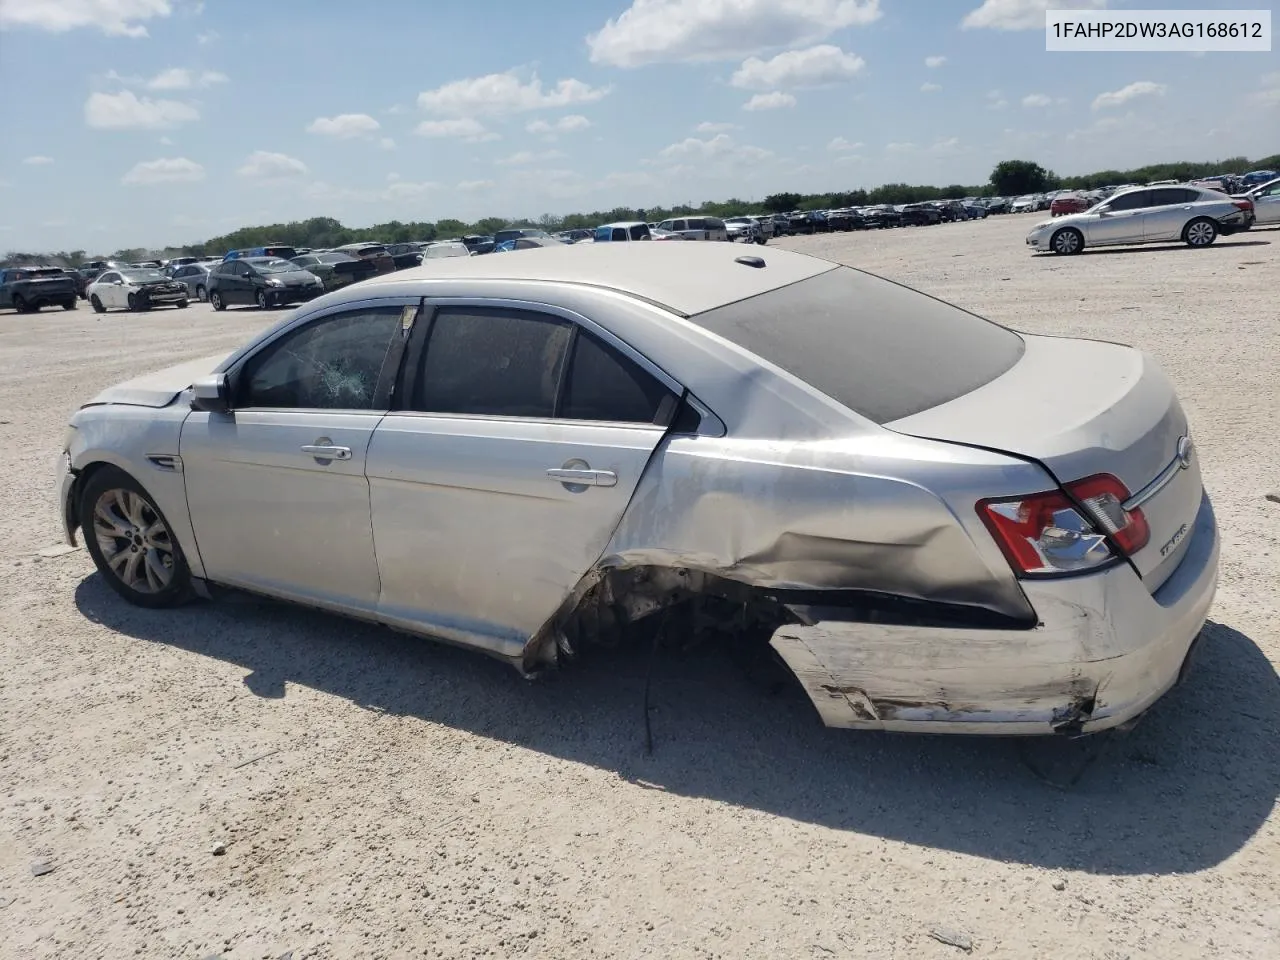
[{"x": 616, "y": 605}]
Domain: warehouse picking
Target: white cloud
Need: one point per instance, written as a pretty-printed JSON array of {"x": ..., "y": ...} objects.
[
  {"x": 930, "y": 87},
  {"x": 812, "y": 67},
  {"x": 506, "y": 93},
  {"x": 118, "y": 18},
  {"x": 570, "y": 124},
  {"x": 900, "y": 147},
  {"x": 841, "y": 145},
  {"x": 464, "y": 128},
  {"x": 717, "y": 147},
  {"x": 770, "y": 101},
  {"x": 345, "y": 126},
  {"x": 175, "y": 170},
  {"x": 406, "y": 190},
  {"x": 708, "y": 126},
  {"x": 473, "y": 186},
  {"x": 528, "y": 156},
  {"x": 1021, "y": 14},
  {"x": 38, "y": 161},
  {"x": 1036, "y": 100},
  {"x": 996, "y": 100},
  {"x": 1116, "y": 98},
  {"x": 656, "y": 31},
  {"x": 175, "y": 78},
  {"x": 264, "y": 165},
  {"x": 934, "y": 62},
  {"x": 208, "y": 37},
  {"x": 126, "y": 111},
  {"x": 386, "y": 143},
  {"x": 166, "y": 141}
]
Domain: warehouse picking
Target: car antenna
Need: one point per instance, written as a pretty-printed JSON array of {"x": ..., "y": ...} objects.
[{"x": 756, "y": 262}]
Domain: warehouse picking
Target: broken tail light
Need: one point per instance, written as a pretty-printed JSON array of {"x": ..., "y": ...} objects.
[
  {"x": 1043, "y": 534},
  {"x": 1245, "y": 205}
]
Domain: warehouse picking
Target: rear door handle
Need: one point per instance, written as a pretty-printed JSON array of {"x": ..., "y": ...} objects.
[
  {"x": 323, "y": 451},
  {"x": 587, "y": 478}
]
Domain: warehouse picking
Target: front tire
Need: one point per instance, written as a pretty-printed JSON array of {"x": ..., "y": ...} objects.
[
  {"x": 215, "y": 298},
  {"x": 1200, "y": 232},
  {"x": 201, "y": 293},
  {"x": 1067, "y": 242},
  {"x": 130, "y": 541},
  {"x": 182, "y": 304},
  {"x": 69, "y": 305},
  {"x": 262, "y": 299},
  {"x": 97, "y": 304},
  {"x": 20, "y": 303}
]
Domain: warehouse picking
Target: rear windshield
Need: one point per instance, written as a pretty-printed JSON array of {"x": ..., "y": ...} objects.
[{"x": 881, "y": 349}]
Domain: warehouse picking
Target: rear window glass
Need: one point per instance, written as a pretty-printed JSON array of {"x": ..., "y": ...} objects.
[{"x": 881, "y": 349}]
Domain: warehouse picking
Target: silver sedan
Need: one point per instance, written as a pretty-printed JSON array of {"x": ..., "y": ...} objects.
[
  {"x": 933, "y": 527},
  {"x": 1161, "y": 214}
]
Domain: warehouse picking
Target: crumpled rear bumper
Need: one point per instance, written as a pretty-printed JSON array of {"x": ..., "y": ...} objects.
[{"x": 1104, "y": 651}]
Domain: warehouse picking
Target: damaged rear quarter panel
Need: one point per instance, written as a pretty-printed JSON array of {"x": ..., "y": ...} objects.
[{"x": 860, "y": 513}]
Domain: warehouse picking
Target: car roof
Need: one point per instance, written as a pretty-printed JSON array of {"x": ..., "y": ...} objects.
[
  {"x": 623, "y": 223},
  {"x": 688, "y": 280}
]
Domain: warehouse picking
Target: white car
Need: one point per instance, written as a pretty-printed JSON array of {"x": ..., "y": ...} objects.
[
  {"x": 1145, "y": 215},
  {"x": 1265, "y": 200},
  {"x": 136, "y": 289},
  {"x": 1023, "y": 204}
]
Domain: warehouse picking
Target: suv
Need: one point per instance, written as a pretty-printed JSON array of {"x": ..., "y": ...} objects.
[
  {"x": 266, "y": 281},
  {"x": 27, "y": 289},
  {"x": 696, "y": 228}
]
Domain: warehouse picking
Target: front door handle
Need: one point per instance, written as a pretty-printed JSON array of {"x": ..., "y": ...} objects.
[
  {"x": 583, "y": 477},
  {"x": 325, "y": 451}
]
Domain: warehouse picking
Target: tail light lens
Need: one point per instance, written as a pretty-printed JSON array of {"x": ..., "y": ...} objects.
[
  {"x": 1046, "y": 533},
  {"x": 1242, "y": 204}
]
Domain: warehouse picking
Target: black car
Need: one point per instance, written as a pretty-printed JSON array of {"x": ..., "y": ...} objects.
[
  {"x": 336, "y": 269},
  {"x": 920, "y": 215},
  {"x": 266, "y": 281},
  {"x": 406, "y": 255},
  {"x": 845, "y": 220},
  {"x": 882, "y": 217},
  {"x": 479, "y": 244},
  {"x": 27, "y": 289},
  {"x": 811, "y": 222}
]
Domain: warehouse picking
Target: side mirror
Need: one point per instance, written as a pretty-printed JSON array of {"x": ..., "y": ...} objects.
[{"x": 212, "y": 394}]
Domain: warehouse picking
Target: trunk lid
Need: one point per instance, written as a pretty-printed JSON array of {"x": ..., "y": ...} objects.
[{"x": 1084, "y": 407}]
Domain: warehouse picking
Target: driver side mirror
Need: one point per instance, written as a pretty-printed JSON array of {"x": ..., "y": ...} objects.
[{"x": 212, "y": 394}]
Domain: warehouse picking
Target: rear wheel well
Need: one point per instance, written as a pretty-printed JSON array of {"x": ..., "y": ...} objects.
[{"x": 691, "y": 607}]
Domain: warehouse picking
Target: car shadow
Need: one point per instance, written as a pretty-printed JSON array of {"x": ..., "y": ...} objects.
[
  {"x": 1183, "y": 791},
  {"x": 1222, "y": 244}
]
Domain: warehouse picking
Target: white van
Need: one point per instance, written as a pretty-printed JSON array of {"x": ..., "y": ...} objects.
[
  {"x": 696, "y": 228},
  {"x": 620, "y": 232}
]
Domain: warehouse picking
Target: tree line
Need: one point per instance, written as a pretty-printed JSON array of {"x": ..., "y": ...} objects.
[{"x": 1010, "y": 177}]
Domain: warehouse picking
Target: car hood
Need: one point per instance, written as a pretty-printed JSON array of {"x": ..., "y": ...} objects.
[{"x": 161, "y": 388}]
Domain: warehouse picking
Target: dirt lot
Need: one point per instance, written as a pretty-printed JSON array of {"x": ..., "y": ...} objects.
[{"x": 381, "y": 796}]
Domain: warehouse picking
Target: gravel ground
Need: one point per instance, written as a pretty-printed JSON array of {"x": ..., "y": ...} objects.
[{"x": 246, "y": 779}]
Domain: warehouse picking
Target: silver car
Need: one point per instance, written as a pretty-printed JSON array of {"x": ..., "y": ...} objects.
[
  {"x": 1266, "y": 202},
  {"x": 532, "y": 455},
  {"x": 1145, "y": 215},
  {"x": 195, "y": 276}
]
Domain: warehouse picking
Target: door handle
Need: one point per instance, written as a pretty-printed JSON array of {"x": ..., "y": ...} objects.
[
  {"x": 583, "y": 477},
  {"x": 323, "y": 451}
]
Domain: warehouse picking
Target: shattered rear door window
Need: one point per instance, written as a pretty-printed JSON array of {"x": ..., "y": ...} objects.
[{"x": 334, "y": 363}]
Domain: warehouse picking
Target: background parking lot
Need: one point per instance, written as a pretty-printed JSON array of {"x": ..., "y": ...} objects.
[{"x": 378, "y": 795}]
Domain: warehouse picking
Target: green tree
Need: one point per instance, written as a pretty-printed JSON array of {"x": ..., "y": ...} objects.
[
  {"x": 1021, "y": 176},
  {"x": 782, "y": 202}
]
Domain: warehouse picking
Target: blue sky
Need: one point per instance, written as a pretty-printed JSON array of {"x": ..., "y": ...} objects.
[{"x": 145, "y": 122}]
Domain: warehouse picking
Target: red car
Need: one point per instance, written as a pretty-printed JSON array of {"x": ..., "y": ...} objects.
[{"x": 1068, "y": 203}]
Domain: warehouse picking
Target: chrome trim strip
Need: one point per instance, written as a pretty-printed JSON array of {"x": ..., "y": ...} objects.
[{"x": 1180, "y": 462}]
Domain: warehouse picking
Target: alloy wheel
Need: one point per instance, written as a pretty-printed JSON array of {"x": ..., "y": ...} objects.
[
  {"x": 1201, "y": 234},
  {"x": 134, "y": 540}
]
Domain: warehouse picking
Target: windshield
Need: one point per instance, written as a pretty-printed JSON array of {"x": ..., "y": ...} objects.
[
  {"x": 881, "y": 349},
  {"x": 334, "y": 258},
  {"x": 275, "y": 266},
  {"x": 143, "y": 275}
]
